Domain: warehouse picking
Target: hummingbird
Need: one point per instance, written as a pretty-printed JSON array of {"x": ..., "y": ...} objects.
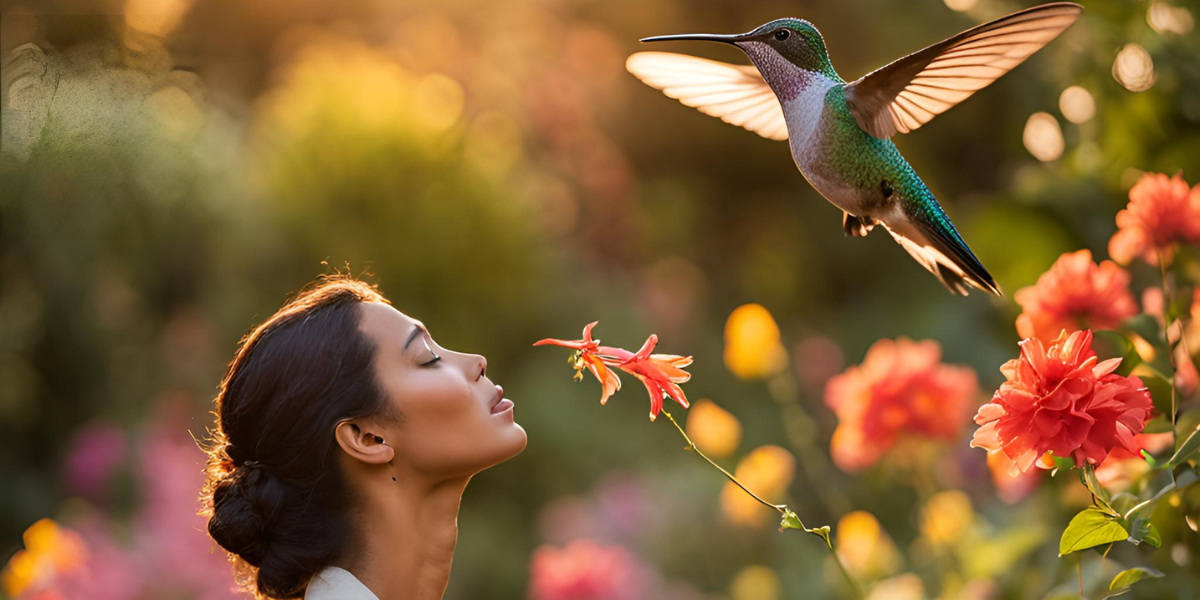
[{"x": 840, "y": 133}]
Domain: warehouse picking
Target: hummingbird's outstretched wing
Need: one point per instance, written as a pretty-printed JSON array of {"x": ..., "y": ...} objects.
[
  {"x": 907, "y": 93},
  {"x": 942, "y": 251},
  {"x": 735, "y": 94}
]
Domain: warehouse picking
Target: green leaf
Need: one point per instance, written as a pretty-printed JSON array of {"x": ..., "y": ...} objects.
[
  {"x": 792, "y": 521},
  {"x": 1160, "y": 391},
  {"x": 1090, "y": 528},
  {"x": 1144, "y": 531},
  {"x": 1189, "y": 447},
  {"x": 1129, "y": 577}
]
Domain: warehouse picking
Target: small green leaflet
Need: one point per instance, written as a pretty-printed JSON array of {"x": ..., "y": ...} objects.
[
  {"x": 1125, "y": 579},
  {"x": 1189, "y": 447}
]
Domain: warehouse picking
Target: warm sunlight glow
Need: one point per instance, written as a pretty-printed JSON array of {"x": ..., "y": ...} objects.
[
  {"x": 1133, "y": 68},
  {"x": 1043, "y": 137},
  {"x": 156, "y": 17},
  {"x": 1077, "y": 104}
]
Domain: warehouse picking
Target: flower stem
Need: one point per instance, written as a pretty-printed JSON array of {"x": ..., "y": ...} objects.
[
  {"x": 1168, "y": 301},
  {"x": 789, "y": 516},
  {"x": 692, "y": 446}
]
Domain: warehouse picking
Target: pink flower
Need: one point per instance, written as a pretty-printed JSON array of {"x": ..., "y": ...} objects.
[
  {"x": 1073, "y": 294},
  {"x": 1161, "y": 213},
  {"x": 585, "y": 570},
  {"x": 1062, "y": 400},
  {"x": 96, "y": 452},
  {"x": 901, "y": 388}
]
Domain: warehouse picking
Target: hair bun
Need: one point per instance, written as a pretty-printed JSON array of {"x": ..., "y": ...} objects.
[{"x": 245, "y": 504}]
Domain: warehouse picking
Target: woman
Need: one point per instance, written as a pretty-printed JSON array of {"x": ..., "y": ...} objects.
[{"x": 345, "y": 437}]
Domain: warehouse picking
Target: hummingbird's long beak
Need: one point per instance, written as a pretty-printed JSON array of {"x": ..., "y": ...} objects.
[{"x": 702, "y": 37}]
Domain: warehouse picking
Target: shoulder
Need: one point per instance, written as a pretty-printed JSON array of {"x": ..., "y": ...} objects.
[{"x": 333, "y": 583}]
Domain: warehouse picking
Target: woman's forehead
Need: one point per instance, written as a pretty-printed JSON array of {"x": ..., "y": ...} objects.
[{"x": 382, "y": 319}]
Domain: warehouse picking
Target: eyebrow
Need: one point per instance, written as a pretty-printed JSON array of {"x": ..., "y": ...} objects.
[{"x": 417, "y": 330}]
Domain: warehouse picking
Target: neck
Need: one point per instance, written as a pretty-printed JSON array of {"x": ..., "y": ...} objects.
[
  {"x": 787, "y": 79},
  {"x": 407, "y": 534}
]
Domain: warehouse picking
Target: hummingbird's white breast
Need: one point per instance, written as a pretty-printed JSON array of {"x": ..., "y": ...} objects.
[{"x": 804, "y": 113}]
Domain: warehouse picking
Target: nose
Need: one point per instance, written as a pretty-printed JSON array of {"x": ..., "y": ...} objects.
[{"x": 481, "y": 364}]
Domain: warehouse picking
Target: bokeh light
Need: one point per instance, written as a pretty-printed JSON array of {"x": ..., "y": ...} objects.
[
  {"x": 768, "y": 470},
  {"x": 1133, "y": 68},
  {"x": 1043, "y": 137},
  {"x": 1165, "y": 18},
  {"x": 752, "y": 343},
  {"x": 1077, "y": 104},
  {"x": 755, "y": 582},
  {"x": 715, "y": 430},
  {"x": 865, "y": 548},
  {"x": 961, "y": 5}
]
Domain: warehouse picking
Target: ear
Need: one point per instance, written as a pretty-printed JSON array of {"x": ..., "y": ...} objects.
[{"x": 358, "y": 440}]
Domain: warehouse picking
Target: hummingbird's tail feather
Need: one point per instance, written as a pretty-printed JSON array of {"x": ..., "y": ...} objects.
[{"x": 943, "y": 253}]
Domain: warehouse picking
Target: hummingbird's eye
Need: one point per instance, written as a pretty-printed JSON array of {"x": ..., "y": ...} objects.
[
  {"x": 782, "y": 34},
  {"x": 886, "y": 188}
]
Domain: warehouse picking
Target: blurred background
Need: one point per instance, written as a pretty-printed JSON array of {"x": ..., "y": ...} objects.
[{"x": 172, "y": 170}]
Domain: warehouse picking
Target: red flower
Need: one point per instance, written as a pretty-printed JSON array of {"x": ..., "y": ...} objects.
[
  {"x": 901, "y": 387},
  {"x": 1160, "y": 214},
  {"x": 660, "y": 373},
  {"x": 1075, "y": 293},
  {"x": 1064, "y": 401}
]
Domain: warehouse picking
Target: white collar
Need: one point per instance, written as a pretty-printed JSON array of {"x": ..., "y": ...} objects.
[{"x": 333, "y": 583}]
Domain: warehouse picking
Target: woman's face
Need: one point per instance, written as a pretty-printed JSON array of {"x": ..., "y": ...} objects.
[{"x": 453, "y": 420}]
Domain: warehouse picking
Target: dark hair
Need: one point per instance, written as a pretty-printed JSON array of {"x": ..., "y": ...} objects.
[{"x": 275, "y": 498}]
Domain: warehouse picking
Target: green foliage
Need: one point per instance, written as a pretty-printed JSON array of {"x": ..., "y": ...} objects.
[{"x": 1189, "y": 447}]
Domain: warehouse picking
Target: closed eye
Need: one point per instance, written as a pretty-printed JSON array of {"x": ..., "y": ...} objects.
[{"x": 432, "y": 361}]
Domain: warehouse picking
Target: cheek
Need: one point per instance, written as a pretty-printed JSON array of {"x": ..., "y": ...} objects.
[{"x": 447, "y": 431}]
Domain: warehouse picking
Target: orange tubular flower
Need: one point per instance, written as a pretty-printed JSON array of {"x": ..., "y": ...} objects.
[
  {"x": 1162, "y": 212},
  {"x": 660, "y": 373},
  {"x": 1075, "y": 293},
  {"x": 587, "y": 355}
]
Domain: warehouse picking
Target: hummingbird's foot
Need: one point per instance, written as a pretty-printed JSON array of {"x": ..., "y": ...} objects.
[{"x": 857, "y": 226}]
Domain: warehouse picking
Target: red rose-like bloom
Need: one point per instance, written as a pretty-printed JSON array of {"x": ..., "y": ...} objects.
[
  {"x": 1161, "y": 213},
  {"x": 1062, "y": 400},
  {"x": 1075, "y": 293},
  {"x": 901, "y": 387}
]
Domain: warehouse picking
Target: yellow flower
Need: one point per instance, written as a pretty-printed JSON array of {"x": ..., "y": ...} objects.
[
  {"x": 714, "y": 429},
  {"x": 946, "y": 518},
  {"x": 50, "y": 550},
  {"x": 752, "y": 343},
  {"x": 755, "y": 582}
]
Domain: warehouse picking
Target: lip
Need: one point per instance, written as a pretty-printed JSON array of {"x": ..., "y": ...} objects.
[{"x": 500, "y": 404}]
